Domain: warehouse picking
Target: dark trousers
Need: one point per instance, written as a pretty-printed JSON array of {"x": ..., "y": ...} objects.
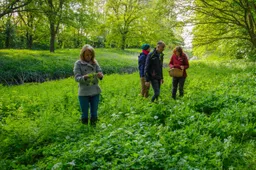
[
  {"x": 178, "y": 81},
  {"x": 156, "y": 87},
  {"x": 85, "y": 102}
]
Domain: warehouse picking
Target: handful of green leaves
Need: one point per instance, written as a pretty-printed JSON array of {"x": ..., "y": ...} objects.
[{"x": 91, "y": 78}]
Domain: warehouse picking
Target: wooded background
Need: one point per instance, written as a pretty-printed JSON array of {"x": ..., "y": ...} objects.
[{"x": 220, "y": 27}]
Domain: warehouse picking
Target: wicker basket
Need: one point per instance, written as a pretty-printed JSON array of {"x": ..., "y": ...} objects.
[{"x": 175, "y": 72}]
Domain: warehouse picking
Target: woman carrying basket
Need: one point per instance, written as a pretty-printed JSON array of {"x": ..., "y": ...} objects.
[{"x": 178, "y": 60}]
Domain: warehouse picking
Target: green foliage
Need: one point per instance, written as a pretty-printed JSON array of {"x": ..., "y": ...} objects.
[
  {"x": 251, "y": 54},
  {"x": 20, "y": 66},
  {"x": 72, "y": 23},
  {"x": 211, "y": 127},
  {"x": 224, "y": 28},
  {"x": 132, "y": 23}
]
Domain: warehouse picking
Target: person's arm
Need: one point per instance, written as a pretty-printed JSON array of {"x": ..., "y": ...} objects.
[
  {"x": 186, "y": 63},
  {"x": 171, "y": 64},
  {"x": 77, "y": 73},
  {"x": 162, "y": 63},
  {"x": 143, "y": 64},
  {"x": 147, "y": 67},
  {"x": 99, "y": 71}
]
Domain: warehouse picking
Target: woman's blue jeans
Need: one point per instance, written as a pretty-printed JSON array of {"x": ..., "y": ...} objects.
[{"x": 89, "y": 101}]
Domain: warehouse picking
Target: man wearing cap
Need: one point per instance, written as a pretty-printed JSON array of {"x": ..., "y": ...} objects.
[
  {"x": 154, "y": 69},
  {"x": 142, "y": 62}
]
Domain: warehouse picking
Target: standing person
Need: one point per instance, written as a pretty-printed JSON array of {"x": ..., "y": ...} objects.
[
  {"x": 179, "y": 60},
  {"x": 142, "y": 62},
  {"x": 87, "y": 72},
  {"x": 154, "y": 69}
]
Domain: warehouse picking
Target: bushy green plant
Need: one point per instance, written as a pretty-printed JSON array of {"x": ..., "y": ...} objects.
[{"x": 211, "y": 127}]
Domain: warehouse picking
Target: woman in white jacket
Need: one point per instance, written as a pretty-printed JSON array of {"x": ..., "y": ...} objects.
[{"x": 87, "y": 72}]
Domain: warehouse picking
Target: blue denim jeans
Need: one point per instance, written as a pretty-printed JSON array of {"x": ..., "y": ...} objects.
[
  {"x": 89, "y": 101},
  {"x": 156, "y": 87}
]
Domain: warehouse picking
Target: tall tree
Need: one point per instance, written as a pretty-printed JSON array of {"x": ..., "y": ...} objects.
[
  {"x": 220, "y": 21},
  {"x": 81, "y": 25},
  {"x": 28, "y": 19},
  {"x": 131, "y": 22},
  {"x": 122, "y": 16},
  {"x": 53, "y": 10},
  {"x": 9, "y": 32},
  {"x": 162, "y": 23}
]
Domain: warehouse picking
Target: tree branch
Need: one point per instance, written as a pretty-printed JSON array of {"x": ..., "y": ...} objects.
[{"x": 10, "y": 8}]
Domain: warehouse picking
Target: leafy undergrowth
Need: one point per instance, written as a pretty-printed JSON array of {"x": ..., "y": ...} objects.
[
  {"x": 211, "y": 127},
  {"x": 22, "y": 66}
]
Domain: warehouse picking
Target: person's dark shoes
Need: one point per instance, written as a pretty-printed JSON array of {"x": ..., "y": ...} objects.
[
  {"x": 93, "y": 121},
  {"x": 84, "y": 121}
]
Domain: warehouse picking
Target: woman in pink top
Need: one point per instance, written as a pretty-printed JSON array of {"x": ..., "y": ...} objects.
[{"x": 179, "y": 60}]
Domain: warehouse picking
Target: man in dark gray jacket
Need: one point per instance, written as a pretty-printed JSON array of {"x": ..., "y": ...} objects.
[{"x": 154, "y": 69}]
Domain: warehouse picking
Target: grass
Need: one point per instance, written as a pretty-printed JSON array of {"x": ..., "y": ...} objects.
[
  {"x": 22, "y": 66},
  {"x": 212, "y": 127}
]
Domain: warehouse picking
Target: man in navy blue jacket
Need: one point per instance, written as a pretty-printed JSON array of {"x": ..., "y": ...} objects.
[
  {"x": 154, "y": 69},
  {"x": 142, "y": 62}
]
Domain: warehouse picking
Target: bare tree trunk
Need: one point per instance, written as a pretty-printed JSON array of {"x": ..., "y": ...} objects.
[
  {"x": 250, "y": 21},
  {"x": 52, "y": 40},
  {"x": 123, "y": 43},
  {"x": 54, "y": 15},
  {"x": 29, "y": 32},
  {"x": 8, "y": 34},
  {"x": 29, "y": 41},
  {"x": 29, "y": 23}
]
